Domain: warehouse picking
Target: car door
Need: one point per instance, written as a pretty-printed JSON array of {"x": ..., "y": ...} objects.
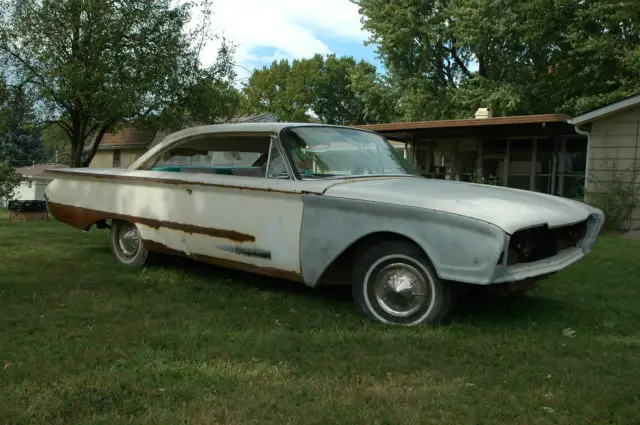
[{"x": 253, "y": 219}]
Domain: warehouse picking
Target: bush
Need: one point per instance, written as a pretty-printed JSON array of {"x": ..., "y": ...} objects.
[
  {"x": 614, "y": 194},
  {"x": 9, "y": 181},
  {"x": 478, "y": 176}
]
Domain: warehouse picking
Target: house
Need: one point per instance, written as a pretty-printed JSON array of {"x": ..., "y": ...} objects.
[
  {"x": 121, "y": 149},
  {"x": 613, "y": 134},
  {"x": 33, "y": 188},
  {"x": 543, "y": 153}
]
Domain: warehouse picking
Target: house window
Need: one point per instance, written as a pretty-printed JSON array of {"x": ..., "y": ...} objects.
[
  {"x": 572, "y": 168},
  {"x": 545, "y": 165},
  {"x": 116, "y": 159},
  {"x": 493, "y": 160},
  {"x": 520, "y": 163}
]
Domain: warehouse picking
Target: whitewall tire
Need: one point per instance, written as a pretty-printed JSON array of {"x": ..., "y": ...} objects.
[
  {"x": 126, "y": 244},
  {"x": 395, "y": 283}
]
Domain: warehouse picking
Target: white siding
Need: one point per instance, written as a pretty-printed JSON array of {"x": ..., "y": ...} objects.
[
  {"x": 31, "y": 192},
  {"x": 614, "y": 146},
  {"x": 25, "y": 192}
]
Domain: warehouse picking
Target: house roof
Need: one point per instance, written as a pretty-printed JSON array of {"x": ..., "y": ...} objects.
[
  {"x": 37, "y": 170},
  {"x": 130, "y": 137},
  {"x": 134, "y": 137},
  {"x": 472, "y": 122},
  {"x": 266, "y": 117},
  {"x": 610, "y": 109}
]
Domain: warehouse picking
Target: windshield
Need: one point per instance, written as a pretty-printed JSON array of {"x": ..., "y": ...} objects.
[{"x": 323, "y": 152}]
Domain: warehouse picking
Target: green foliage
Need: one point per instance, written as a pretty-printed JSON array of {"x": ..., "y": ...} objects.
[
  {"x": 19, "y": 148},
  {"x": 20, "y": 142},
  {"x": 9, "y": 181},
  {"x": 97, "y": 64},
  {"x": 284, "y": 89},
  {"x": 16, "y": 107},
  {"x": 478, "y": 176},
  {"x": 615, "y": 192},
  {"x": 56, "y": 144},
  {"x": 376, "y": 93},
  {"x": 449, "y": 57},
  {"x": 207, "y": 101},
  {"x": 332, "y": 89}
]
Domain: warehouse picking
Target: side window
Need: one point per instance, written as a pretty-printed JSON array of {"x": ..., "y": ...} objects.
[
  {"x": 225, "y": 154},
  {"x": 276, "y": 166},
  {"x": 116, "y": 158}
]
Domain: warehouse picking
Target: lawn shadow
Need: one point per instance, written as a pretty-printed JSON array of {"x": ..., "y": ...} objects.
[
  {"x": 482, "y": 308},
  {"x": 98, "y": 249},
  {"x": 204, "y": 271},
  {"x": 477, "y": 308}
]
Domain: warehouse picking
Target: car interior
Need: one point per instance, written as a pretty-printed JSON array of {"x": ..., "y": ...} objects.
[{"x": 226, "y": 155}]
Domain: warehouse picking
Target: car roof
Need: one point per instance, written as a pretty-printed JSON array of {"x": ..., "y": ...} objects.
[
  {"x": 255, "y": 126},
  {"x": 250, "y": 127}
]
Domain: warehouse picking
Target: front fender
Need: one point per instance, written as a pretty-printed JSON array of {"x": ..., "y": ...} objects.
[{"x": 461, "y": 249}]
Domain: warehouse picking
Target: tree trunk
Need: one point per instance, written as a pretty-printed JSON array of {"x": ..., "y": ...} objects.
[
  {"x": 482, "y": 62},
  {"x": 96, "y": 145},
  {"x": 77, "y": 140}
]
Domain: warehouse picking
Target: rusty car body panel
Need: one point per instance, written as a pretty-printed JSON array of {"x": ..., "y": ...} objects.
[{"x": 296, "y": 227}]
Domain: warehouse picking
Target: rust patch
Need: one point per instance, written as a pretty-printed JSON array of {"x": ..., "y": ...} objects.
[
  {"x": 83, "y": 218},
  {"x": 220, "y": 262},
  {"x": 176, "y": 182},
  {"x": 80, "y": 218}
]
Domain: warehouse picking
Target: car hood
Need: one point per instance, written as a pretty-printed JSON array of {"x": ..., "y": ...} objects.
[{"x": 509, "y": 209}]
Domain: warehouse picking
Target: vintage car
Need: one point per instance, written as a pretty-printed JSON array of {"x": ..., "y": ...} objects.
[{"x": 325, "y": 205}]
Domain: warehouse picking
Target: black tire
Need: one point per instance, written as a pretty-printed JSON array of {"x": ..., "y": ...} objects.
[
  {"x": 432, "y": 309},
  {"x": 136, "y": 257}
]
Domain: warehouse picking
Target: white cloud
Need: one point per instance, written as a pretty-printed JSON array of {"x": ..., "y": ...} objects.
[{"x": 289, "y": 28}]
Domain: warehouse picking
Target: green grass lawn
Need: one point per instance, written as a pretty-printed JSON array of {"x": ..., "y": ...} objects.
[{"x": 86, "y": 341}]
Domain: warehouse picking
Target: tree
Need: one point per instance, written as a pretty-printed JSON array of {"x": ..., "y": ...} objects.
[
  {"x": 207, "y": 100},
  {"x": 98, "y": 64},
  {"x": 446, "y": 58},
  {"x": 9, "y": 181},
  {"x": 306, "y": 89},
  {"x": 20, "y": 142},
  {"x": 19, "y": 148},
  {"x": 335, "y": 99},
  {"x": 282, "y": 88},
  {"x": 16, "y": 106},
  {"x": 376, "y": 93}
]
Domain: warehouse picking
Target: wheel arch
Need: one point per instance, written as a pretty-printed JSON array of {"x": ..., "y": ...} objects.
[
  {"x": 344, "y": 260},
  {"x": 79, "y": 217},
  {"x": 334, "y": 229},
  {"x": 459, "y": 248}
]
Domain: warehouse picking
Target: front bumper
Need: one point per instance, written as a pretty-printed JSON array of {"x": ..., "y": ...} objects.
[
  {"x": 559, "y": 253},
  {"x": 543, "y": 267}
]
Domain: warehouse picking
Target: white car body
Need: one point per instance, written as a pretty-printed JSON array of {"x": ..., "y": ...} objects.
[{"x": 296, "y": 228}]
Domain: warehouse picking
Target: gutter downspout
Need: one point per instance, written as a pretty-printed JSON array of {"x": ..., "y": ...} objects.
[{"x": 584, "y": 132}]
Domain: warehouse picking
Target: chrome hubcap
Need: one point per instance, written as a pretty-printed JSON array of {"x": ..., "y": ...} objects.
[
  {"x": 128, "y": 239},
  {"x": 400, "y": 289}
]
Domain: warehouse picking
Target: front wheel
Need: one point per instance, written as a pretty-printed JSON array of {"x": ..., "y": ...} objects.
[
  {"x": 126, "y": 244},
  {"x": 395, "y": 283}
]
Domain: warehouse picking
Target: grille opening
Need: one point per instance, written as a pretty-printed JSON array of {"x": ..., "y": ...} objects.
[{"x": 538, "y": 243}]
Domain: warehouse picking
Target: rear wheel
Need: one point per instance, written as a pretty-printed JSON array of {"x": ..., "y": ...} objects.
[
  {"x": 126, "y": 244},
  {"x": 395, "y": 283}
]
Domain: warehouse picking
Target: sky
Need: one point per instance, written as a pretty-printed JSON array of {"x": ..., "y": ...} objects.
[{"x": 267, "y": 30}]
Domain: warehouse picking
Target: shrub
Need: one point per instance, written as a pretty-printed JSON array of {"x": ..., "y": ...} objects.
[
  {"x": 9, "y": 181},
  {"x": 477, "y": 176},
  {"x": 614, "y": 192}
]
